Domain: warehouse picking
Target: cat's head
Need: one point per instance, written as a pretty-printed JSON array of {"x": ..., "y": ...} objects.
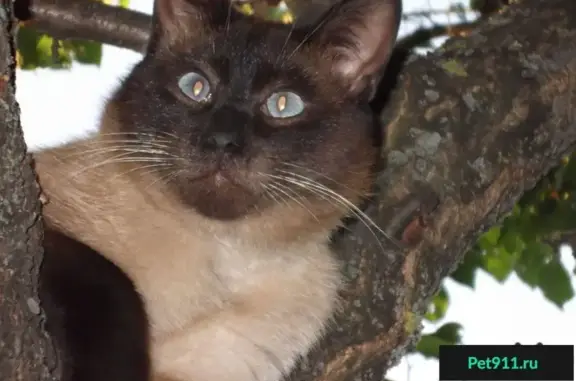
[{"x": 238, "y": 115}]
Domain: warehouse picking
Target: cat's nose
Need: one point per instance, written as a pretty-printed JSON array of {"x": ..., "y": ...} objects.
[
  {"x": 226, "y": 132},
  {"x": 223, "y": 141}
]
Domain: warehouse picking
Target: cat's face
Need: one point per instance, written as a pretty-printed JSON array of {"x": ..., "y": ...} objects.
[{"x": 247, "y": 114}]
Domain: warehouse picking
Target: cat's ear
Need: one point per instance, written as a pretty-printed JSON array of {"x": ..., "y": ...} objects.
[
  {"x": 181, "y": 21},
  {"x": 358, "y": 36}
]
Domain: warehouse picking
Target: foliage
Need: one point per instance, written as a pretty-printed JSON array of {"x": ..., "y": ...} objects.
[
  {"x": 447, "y": 334},
  {"x": 36, "y": 50},
  {"x": 39, "y": 50},
  {"x": 269, "y": 10}
]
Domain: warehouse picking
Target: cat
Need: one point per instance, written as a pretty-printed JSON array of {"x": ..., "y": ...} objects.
[{"x": 188, "y": 240}]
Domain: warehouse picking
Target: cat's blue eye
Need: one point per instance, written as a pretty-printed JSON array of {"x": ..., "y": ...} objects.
[
  {"x": 284, "y": 105},
  {"x": 195, "y": 86}
]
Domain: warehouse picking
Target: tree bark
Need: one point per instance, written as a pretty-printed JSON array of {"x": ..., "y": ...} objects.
[
  {"x": 469, "y": 129},
  {"x": 25, "y": 349},
  {"x": 72, "y": 19}
]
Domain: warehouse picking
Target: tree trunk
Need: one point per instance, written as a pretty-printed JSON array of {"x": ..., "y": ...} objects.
[
  {"x": 25, "y": 349},
  {"x": 469, "y": 129}
]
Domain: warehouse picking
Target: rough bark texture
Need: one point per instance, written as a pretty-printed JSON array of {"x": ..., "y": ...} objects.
[
  {"x": 470, "y": 128},
  {"x": 25, "y": 349},
  {"x": 74, "y": 19}
]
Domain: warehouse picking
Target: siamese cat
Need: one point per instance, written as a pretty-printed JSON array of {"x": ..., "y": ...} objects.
[{"x": 188, "y": 240}]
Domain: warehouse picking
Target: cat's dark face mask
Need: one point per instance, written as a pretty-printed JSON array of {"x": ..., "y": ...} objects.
[{"x": 247, "y": 115}]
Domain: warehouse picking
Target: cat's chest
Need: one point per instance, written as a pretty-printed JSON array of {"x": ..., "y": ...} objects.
[
  {"x": 239, "y": 268},
  {"x": 189, "y": 280}
]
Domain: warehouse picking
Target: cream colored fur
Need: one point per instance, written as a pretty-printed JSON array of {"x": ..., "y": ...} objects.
[{"x": 237, "y": 301}]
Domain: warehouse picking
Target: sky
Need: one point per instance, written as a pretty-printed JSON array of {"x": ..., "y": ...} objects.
[{"x": 58, "y": 106}]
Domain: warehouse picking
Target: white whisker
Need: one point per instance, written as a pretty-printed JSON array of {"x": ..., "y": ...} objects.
[
  {"x": 306, "y": 38},
  {"x": 273, "y": 195},
  {"x": 319, "y": 174},
  {"x": 127, "y": 150},
  {"x": 131, "y": 143},
  {"x": 118, "y": 159},
  {"x": 155, "y": 134},
  {"x": 318, "y": 189},
  {"x": 284, "y": 190},
  {"x": 228, "y": 19},
  {"x": 283, "y": 50},
  {"x": 142, "y": 167},
  {"x": 164, "y": 179}
]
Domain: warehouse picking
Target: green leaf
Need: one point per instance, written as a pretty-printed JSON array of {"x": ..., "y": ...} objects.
[
  {"x": 490, "y": 239},
  {"x": 569, "y": 170},
  {"x": 52, "y": 53},
  {"x": 37, "y": 50},
  {"x": 429, "y": 346},
  {"x": 499, "y": 263},
  {"x": 87, "y": 52},
  {"x": 119, "y": 3},
  {"x": 27, "y": 39},
  {"x": 465, "y": 274},
  {"x": 511, "y": 241},
  {"x": 439, "y": 305},
  {"x": 554, "y": 281},
  {"x": 531, "y": 261},
  {"x": 448, "y": 334}
]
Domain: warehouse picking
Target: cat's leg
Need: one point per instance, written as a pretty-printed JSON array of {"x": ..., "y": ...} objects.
[
  {"x": 94, "y": 314},
  {"x": 262, "y": 333}
]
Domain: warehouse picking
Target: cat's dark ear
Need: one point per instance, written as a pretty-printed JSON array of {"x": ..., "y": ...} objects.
[
  {"x": 183, "y": 21},
  {"x": 358, "y": 36}
]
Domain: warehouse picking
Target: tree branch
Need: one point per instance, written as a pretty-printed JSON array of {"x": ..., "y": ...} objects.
[
  {"x": 93, "y": 20},
  {"x": 88, "y": 20},
  {"x": 470, "y": 128},
  {"x": 423, "y": 36}
]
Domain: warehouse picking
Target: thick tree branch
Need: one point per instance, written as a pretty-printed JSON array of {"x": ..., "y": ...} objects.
[
  {"x": 26, "y": 353},
  {"x": 470, "y": 128},
  {"x": 88, "y": 20}
]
